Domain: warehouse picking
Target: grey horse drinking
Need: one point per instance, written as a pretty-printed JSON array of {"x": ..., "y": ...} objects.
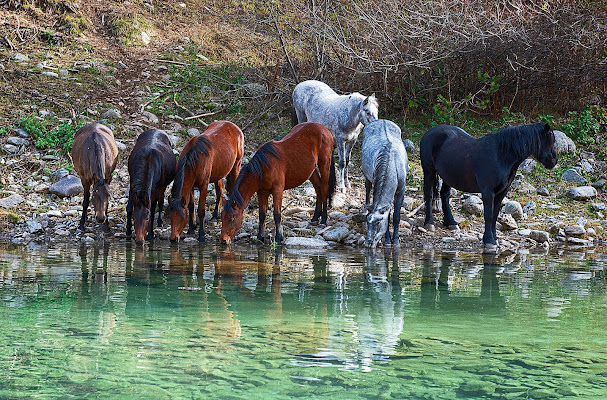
[
  {"x": 343, "y": 115},
  {"x": 385, "y": 165}
]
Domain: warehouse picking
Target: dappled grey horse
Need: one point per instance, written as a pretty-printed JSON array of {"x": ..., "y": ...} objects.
[
  {"x": 343, "y": 115},
  {"x": 385, "y": 165}
]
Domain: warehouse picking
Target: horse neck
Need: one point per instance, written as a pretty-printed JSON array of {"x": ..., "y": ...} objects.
[
  {"x": 179, "y": 189},
  {"x": 351, "y": 119},
  {"x": 386, "y": 178},
  {"x": 148, "y": 177},
  {"x": 99, "y": 157},
  {"x": 247, "y": 186}
]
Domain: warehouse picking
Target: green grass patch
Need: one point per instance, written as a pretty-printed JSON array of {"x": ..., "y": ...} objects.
[{"x": 48, "y": 137}]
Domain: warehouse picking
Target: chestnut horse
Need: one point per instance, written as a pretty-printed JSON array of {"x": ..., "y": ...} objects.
[
  {"x": 305, "y": 153},
  {"x": 208, "y": 157},
  {"x": 151, "y": 168},
  {"x": 95, "y": 155}
]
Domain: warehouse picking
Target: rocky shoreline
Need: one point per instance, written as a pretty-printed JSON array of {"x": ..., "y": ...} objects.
[{"x": 41, "y": 204}]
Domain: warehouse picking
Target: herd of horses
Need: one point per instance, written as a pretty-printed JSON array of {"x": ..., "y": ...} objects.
[{"x": 321, "y": 118}]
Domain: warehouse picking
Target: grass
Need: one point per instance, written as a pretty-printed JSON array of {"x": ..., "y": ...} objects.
[{"x": 47, "y": 137}]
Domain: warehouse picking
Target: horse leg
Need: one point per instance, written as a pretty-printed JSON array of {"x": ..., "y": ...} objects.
[
  {"x": 85, "y": 206},
  {"x": 398, "y": 204},
  {"x": 152, "y": 211},
  {"x": 429, "y": 183},
  {"x": 490, "y": 244},
  {"x": 368, "y": 187},
  {"x": 192, "y": 225},
  {"x": 341, "y": 152},
  {"x": 277, "y": 200},
  {"x": 160, "y": 205},
  {"x": 497, "y": 205},
  {"x": 349, "y": 146},
  {"x": 219, "y": 197},
  {"x": 201, "y": 209},
  {"x": 129, "y": 216},
  {"x": 318, "y": 209},
  {"x": 263, "y": 209},
  {"x": 448, "y": 220},
  {"x": 106, "y": 224}
]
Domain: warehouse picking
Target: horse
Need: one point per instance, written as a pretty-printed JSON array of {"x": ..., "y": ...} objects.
[
  {"x": 384, "y": 165},
  {"x": 304, "y": 153},
  {"x": 151, "y": 167},
  {"x": 487, "y": 165},
  {"x": 209, "y": 157},
  {"x": 343, "y": 115},
  {"x": 95, "y": 155}
]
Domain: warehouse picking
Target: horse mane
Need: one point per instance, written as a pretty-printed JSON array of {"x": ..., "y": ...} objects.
[
  {"x": 100, "y": 170},
  {"x": 201, "y": 145},
  {"x": 522, "y": 140},
  {"x": 381, "y": 164},
  {"x": 142, "y": 182},
  {"x": 255, "y": 167}
]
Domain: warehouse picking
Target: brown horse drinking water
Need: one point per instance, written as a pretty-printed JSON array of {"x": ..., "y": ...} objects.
[
  {"x": 209, "y": 157},
  {"x": 305, "y": 153},
  {"x": 95, "y": 155},
  {"x": 151, "y": 168}
]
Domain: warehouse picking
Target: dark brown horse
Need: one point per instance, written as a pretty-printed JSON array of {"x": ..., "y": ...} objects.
[
  {"x": 151, "y": 168},
  {"x": 209, "y": 157},
  {"x": 95, "y": 155},
  {"x": 305, "y": 153}
]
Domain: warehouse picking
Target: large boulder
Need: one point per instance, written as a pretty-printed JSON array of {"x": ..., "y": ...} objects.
[
  {"x": 68, "y": 186},
  {"x": 513, "y": 208},
  {"x": 563, "y": 144}
]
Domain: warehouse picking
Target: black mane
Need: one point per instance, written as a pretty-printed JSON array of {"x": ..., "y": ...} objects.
[
  {"x": 201, "y": 145},
  {"x": 145, "y": 178},
  {"x": 255, "y": 167},
  {"x": 522, "y": 140}
]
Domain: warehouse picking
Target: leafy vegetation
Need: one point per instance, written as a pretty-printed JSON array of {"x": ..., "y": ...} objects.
[
  {"x": 584, "y": 126},
  {"x": 60, "y": 137}
]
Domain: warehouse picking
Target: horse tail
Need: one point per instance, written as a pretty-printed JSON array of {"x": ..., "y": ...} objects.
[
  {"x": 332, "y": 182},
  {"x": 294, "y": 120}
]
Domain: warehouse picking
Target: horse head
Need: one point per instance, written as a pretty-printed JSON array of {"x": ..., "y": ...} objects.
[
  {"x": 547, "y": 152},
  {"x": 178, "y": 217},
  {"x": 377, "y": 225},
  {"x": 100, "y": 199},
  {"x": 369, "y": 109},
  {"x": 231, "y": 221},
  {"x": 141, "y": 216}
]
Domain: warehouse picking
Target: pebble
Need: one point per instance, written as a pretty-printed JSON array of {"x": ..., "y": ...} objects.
[
  {"x": 304, "y": 242},
  {"x": 22, "y": 133},
  {"x": 121, "y": 146},
  {"x": 474, "y": 205},
  {"x": 193, "y": 132},
  {"x": 33, "y": 226},
  {"x": 112, "y": 113},
  {"x": 54, "y": 213},
  {"x": 513, "y": 208},
  {"x": 50, "y": 74},
  {"x": 575, "y": 230},
  {"x": 11, "y": 201},
  {"x": 11, "y": 148},
  {"x": 50, "y": 157},
  {"x": 336, "y": 235},
  {"x": 18, "y": 57}
]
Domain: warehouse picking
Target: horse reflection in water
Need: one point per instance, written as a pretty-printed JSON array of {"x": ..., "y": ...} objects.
[{"x": 363, "y": 325}]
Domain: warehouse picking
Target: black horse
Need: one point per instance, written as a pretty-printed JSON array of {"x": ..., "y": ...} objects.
[{"x": 487, "y": 165}]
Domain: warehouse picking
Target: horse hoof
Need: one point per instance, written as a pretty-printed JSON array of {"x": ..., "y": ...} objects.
[
  {"x": 453, "y": 227},
  {"x": 429, "y": 227},
  {"x": 490, "y": 248},
  {"x": 105, "y": 229}
]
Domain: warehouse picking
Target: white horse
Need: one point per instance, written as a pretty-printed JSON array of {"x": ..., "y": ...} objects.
[{"x": 344, "y": 115}]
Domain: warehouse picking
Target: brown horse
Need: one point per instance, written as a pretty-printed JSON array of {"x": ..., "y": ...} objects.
[
  {"x": 151, "y": 168},
  {"x": 95, "y": 155},
  {"x": 208, "y": 157},
  {"x": 305, "y": 153}
]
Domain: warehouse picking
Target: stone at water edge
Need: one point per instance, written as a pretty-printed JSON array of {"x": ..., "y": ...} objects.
[
  {"x": 68, "y": 186},
  {"x": 513, "y": 208},
  {"x": 33, "y": 226},
  {"x": 474, "y": 205},
  {"x": 304, "y": 242},
  {"x": 539, "y": 236},
  {"x": 507, "y": 221},
  {"x": 575, "y": 230},
  {"x": 336, "y": 234}
]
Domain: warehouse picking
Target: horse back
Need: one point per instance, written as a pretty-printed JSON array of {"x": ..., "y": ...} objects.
[
  {"x": 94, "y": 148},
  {"x": 227, "y": 147},
  {"x": 153, "y": 145}
]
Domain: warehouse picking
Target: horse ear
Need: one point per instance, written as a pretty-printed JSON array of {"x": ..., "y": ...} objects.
[
  {"x": 547, "y": 127},
  {"x": 366, "y": 101},
  {"x": 372, "y": 96}
]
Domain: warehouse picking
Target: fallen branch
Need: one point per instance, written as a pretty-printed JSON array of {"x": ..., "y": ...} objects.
[
  {"x": 197, "y": 118},
  {"x": 200, "y": 115},
  {"x": 412, "y": 213}
]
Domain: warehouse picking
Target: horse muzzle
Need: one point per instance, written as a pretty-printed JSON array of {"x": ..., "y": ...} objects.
[{"x": 226, "y": 240}]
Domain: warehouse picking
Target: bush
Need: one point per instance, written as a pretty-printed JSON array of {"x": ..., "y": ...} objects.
[{"x": 61, "y": 137}]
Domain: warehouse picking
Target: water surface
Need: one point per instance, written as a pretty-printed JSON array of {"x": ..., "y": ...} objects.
[{"x": 119, "y": 322}]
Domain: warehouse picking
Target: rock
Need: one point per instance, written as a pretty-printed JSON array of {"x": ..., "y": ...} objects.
[
  {"x": 586, "y": 166},
  {"x": 33, "y": 226},
  {"x": 49, "y": 157},
  {"x": 527, "y": 165},
  {"x": 121, "y": 65},
  {"x": 174, "y": 139},
  {"x": 50, "y": 74},
  {"x": 529, "y": 207},
  {"x": 121, "y": 146},
  {"x": 254, "y": 89},
  {"x": 17, "y": 141},
  {"x": 539, "y": 236},
  {"x": 55, "y": 213},
  {"x": 527, "y": 188},
  {"x": 600, "y": 184},
  {"x": 581, "y": 221},
  {"x": 62, "y": 232},
  {"x": 145, "y": 38},
  {"x": 598, "y": 206},
  {"x": 10, "y": 148},
  {"x": 149, "y": 117},
  {"x": 563, "y": 144},
  {"x": 18, "y": 57},
  {"x": 513, "y": 208},
  {"x": 193, "y": 132},
  {"x": 41, "y": 188},
  {"x": 543, "y": 192},
  {"x": 582, "y": 193},
  {"x": 409, "y": 145},
  {"x": 474, "y": 205},
  {"x": 22, "y": 133},
  {"x": 525, "y": 232},
  {"x": 306, "y": 242},
  {"x": 11, "y": 201},
  {"x": 336, "y": 234},
  {"x": 572, "y": 176},
  {"x": 67, "y": 187},
  {"x": 575, "y": 230},
  {"x": 111, "y": 114},
  {"x": 587, "y": 155},
  {"x": 579, "y": 241},
  {"x": 59, "y": 174},
  {"x": 507, "y": 221}
]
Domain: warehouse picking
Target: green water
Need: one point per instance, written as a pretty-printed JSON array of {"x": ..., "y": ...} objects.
[{"x": 116, "y": 322}]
